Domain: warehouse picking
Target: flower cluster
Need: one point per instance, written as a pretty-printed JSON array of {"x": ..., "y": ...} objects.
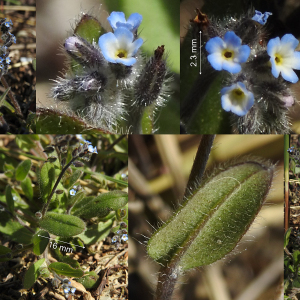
[
  {"x": 8, "y": 39},
  {"x": 255, "y": 92},
  {"x": 112, "y": 84},
  {"x": 68, "y": 288}
]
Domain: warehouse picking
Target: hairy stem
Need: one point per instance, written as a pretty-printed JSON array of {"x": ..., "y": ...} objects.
[{"x": 200, "y": 162}]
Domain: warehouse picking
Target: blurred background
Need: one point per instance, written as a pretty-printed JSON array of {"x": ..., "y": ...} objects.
[
  {"x": 159, "y": 167},
  {"x": 285, "y": 19},
  {"x": 160, "y": 26}
]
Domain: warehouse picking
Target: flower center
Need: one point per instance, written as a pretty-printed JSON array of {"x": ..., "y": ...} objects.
[
  {"x": 278, "y": 59},
  {"x": 238, "y": 95},
  {"x": 228, "y": 54},
  {"x": 121, "y": 53}
]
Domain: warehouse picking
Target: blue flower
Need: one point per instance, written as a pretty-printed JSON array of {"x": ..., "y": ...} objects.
[
  {"x": 227, "y": 54},
  {"x": 284, "y": 58},
  {"x": 7, "y": 60},
  {"x": 72, "y": 192},
  {"x": 92, "y": 150},
  {"x": 117, "y": 19},
  {"x": 114, "y": 239},
  {"x": 124, "y": 237},
  {"x": 237, "y": 98},
  {"x": 260, "y": 17},
  {"x": 119, "y": 47}
]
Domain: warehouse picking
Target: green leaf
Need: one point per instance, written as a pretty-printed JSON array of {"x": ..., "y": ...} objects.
[
  {"x": 14, "y": 230},
  {"x": 296, "y": 256},
  {"x": 34, "y": 64},
  {"x": 102, "y": 205},
  {"x": 96, "y": 232},
  {"x": 26, "y": 141},
  {"x": 32, "y": 274},
  {"x": 62, "y": 225},
  {"x": 210, "y": 223},
  {"x": 46, "y": 180},
  {"x": 70, "y": 181},
  {"x": 26, "y": 186},
  {"x": 65, "y": 269},
  {"x": 89, "y": 28},
  {"x": 287, "y": 237},
  {"x": 40, "y": 241},
  {"x": 4, "y": 103},
  {"x": 74, "y": 199},
  {"x": 23, "y": 169},
  {"x": 51, "y": 121},
  {"x": 4, "y": 251},
  {"x": 68, "y": 260},
  {"x": 9, "y": 199},
  {"x": 89, "y": 281},
  {"x": 9, "y": 170}
]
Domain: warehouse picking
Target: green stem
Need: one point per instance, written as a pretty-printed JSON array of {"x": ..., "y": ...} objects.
[
  {"x": 286, "y": 181},
  {"x": 46, "y": 206},
  {"x": 200, "y": 162}
]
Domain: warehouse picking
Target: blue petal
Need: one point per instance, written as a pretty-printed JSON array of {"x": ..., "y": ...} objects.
[
  {"x": 296, "y": 60},
  {"x": 126, "y": 25},
  {"x": 216, "y": 61},
  {"x": 214, "y": 45},
  {"x": 116, "y": 17},
  {"x": 250, "y": 101},
  {"x": 124, "y": 36},
  {"x": 243, "y": 53},
  {"x": 106, "y": 43},
  {"x": 265, "y": 17},
  {"x": 226, "y": 105},
  {"x": 231, "y": 67},
  {"x": 129, "y": 61},
  {"x": 289, "y": 75},
  {"x": 275, "y": 69},
  {"x": 242, "y": 86},
  {"x": 135, "y": 20},
  {"x": 137, "y": 44},
  {"x": 272, "y": 45},
  {"x": 290, "y": 39},
  {"x": 232, "y": 39},
  {"x": 227, "y": 89}
]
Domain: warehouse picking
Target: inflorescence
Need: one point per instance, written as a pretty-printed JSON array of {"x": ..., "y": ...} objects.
[
  {"x": 255, "y": 92},
  {"x": 8, "y": 39},
  {"x": 111, "y": 84}
]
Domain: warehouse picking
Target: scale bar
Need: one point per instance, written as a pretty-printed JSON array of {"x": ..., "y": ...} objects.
[
  {"x": 60, "y": 241},
  {"x": 200, "y": 52}
]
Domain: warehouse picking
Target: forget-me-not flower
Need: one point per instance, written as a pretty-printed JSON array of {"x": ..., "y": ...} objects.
[
  {"x": 91, "y": 149},
  {"x": 260, "y": 17},
  {"x": 237, "y": 99},
  {"x": 228, "y": 53},
  {"x": 284, "y": 58},
  {"x": 120, "y": 47},
  {"x": 117, "y": 19}
]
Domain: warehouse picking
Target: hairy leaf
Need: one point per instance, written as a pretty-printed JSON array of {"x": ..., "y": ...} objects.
[
  {"x": 32, "y": 274},
  {"x": 62, "y": 225},
  {"x": 23, "y": 169},
  {"x": 65, "y": 269},
  {"x": 40, "y": 241},
  {"x": 102, "y": 205},
  {"x": 212, "y": 220}
]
